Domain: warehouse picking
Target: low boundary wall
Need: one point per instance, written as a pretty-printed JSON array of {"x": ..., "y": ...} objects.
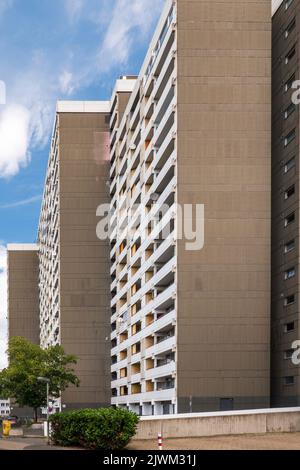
[{"x": 216, "y": 424}]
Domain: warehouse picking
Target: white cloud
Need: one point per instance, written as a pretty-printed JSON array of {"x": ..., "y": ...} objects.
[
  {"x": 74, "y": 8},
  {"x": 130, "y": 20},
  {"x": 23, "y": 202},
  {"x": 66, "y": 82},
  {"x": 3, "y": 307},
  {"x": 14, "y": 139}
]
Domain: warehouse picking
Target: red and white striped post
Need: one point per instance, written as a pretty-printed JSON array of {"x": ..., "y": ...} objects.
[{"x": 160, "y": 441}]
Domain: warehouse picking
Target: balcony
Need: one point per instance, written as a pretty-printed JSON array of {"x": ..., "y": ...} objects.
[
  {"x": 163, "y": 371},
  {"x": 159, "y": 348}
]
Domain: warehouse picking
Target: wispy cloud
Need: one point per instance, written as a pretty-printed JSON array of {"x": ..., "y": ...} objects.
[
  {"x": 5, "y": 5},
  {"x": 3, "y": 307},
  {"x": 23, "y": 202},
  {"x": 130, "y": 21},
  {"x": 74, "y": 8},
  {"x": 66, "y": 82}
]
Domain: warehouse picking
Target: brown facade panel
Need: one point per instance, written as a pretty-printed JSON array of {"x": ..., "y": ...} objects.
[
  {"x": 224, "y": 160},
  {"x": 23, "y": 294},
  {"x": 84, "y": 260}
]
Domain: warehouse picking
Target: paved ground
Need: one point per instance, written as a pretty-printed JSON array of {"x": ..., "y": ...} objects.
[
  {"x": 278, "y": 441},
  {"x": 14, "y": 443}
]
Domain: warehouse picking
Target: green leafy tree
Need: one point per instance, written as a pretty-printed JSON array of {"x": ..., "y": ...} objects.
[{"x": 27, "y": 362}]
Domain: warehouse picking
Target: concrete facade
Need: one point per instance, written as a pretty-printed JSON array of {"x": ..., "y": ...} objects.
[
  {"x": 186, "y": 331},
  {"x": 191, "y": 329},
  {"x": 23, "y": 292},
  {"x": 223, "y": 162},
  {"x": 74, "y": 264},
  {"x": 285, "y": 205}
]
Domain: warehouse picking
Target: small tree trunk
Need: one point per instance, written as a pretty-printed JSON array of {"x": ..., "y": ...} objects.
[{"x": 35, "y": 415}]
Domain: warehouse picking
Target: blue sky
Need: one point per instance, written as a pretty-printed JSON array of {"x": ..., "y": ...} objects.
[{"x": 50, "y": 50}]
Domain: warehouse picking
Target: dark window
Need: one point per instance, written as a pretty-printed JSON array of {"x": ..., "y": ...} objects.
[
  {"x": 289, "y": 300},
  {"x": 289, "y": 110},
  {"x": 290, "y": 28},
  {"x": 289, "y": 83},
  {"x": 289, "y": 273},
  {"x": 289, "y": 219},
  {"x": 290, "y": 55},
  {"x": 289, "y": 380},
  {"x": 290, "y": 137},
  {"x": 288, "y": 3},
  {"x": 290, "y": 326},
  {"x": 289, "y": 246},
  {"x": 226, "y": 404},
  {"x": 289, "y": 192},
  {"x": 289, "y": 165}
]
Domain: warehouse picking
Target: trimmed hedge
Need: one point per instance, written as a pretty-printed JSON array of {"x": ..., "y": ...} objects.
[{"x": 97, "y": 429}]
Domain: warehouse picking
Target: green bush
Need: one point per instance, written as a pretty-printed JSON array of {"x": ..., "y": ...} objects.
[{"x": 98, "y": 429}]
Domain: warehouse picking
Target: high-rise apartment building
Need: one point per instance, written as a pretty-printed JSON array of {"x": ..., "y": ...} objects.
[
  {"x": 74, "y": 263},
  {"x": 191, "y": 329},
  {"x": 23, "y": 292},
  {"x": 164, "y": 323},
  {"x": 285, "y": 204}
]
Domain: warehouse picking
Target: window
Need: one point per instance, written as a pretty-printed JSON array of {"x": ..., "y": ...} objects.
[
  {"x": 289, "y": 83},
  {"x": 290, "y": 55},
  {"x": 226, "y": 404},
  {"x": 289, "y": 327},
  {"x": 290, "y": 137},
  {"x": 289, "y": 165},
  {"x": 289, "y": 219},
  {"x": 288, "y": 3},
  {"x": 289, "y": 300},
  {"x": 289, "y": 246},
  {"x": 290, "y": 28},
  {"x": 288, "y": 353},
  {"x": 289, "y": 192},
  {"x": 289, "y": 110},
  {"x": 289, "y": 380},
  {"x": 289, "y": 273}
]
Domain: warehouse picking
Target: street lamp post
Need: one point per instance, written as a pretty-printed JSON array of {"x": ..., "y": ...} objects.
[{"x": 47, "y": 382}]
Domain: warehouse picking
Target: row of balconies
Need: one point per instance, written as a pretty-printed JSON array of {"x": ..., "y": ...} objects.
[
  {"x": 151, "y": 396},
  {"x": 164, "y": 84},
  {"x": 162, "y": 226},
  {"x": 155, "y": 322},
  {"x": 163, "y": 301},
  {"x": 164, "y": 252},
  {"x": 160, "y": 178}
]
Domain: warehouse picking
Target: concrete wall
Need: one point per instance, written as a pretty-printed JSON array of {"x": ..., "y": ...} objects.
[{"x": 227, "y": 423}]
